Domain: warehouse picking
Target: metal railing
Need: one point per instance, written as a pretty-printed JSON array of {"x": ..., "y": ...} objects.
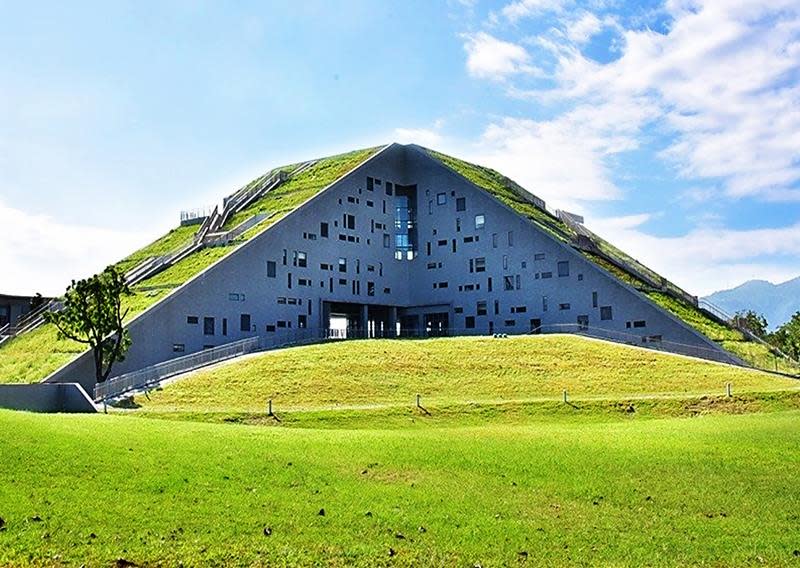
[{"x": 151, "y": 376}]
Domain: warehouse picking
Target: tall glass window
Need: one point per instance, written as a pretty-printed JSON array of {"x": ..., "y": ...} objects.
[{"x": 405, "y": 222}]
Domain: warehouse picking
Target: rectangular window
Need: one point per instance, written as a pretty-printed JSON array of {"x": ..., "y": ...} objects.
[
  {"x": 606, "y": 313},
  {"x": 639, "y": 323},
  {"x": 349, "y": 221},
  {"x": 208, "y": 326},
  {"x": 244, "y": 322},
  {"x": 481, "y": 309},
  {"x": 342, "y": 265},
  {"x": 583, "y": 323},
  {"x": 563, "y": 307},
  {"x": 480, "y": 221},
  {"x": 538, "y": 256},
  {"x": 505, "y": 262},
  {"x": 461, "y": 204},
  {"x": 370, "y": 184},
  {"x": 224, "y": 326},
  {"x": 370, "y": 288},
  {"x": 301, "y": 259},
  {"x": 458, "y": 224},
  {"x": 270, "y": 328},
  {"x": 193, "y": 320},
  {"x": 510, "y": 323},
  {"x": 594, "y": 299},
  {"x": 545, "y": 303},
  {"x": 323, "y": 230},
  {"x": 271, "y": 269},
  {"x": 302, "y": 321},
  {"x": 441, "y": 198},
  {"x": 469, "y": 322},
  {"x": 563, "y": 268},
  {"x": 480, "y": 264},
  {"x": 494, "y": 240},
  {"x": 285, "y": 256},
  {"x": 496, "y": 307},
  {"x": 178, "y": 347},
  {"x": 389, "y": 188},
  {"x": 387, "y": 241},
  {"x": 546, "y": 275},
  {"x": 511, "y": 238},
  {"x": 289, "y": 280},
  {"x": 508, "y": 283},
  {"x": 489, "y": 283}
]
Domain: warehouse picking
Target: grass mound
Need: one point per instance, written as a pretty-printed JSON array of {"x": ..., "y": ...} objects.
[{"x": 446, "y": 371}]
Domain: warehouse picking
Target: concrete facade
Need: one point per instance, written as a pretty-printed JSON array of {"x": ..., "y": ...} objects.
[
  {"x": 467, "y": 264},
  {"x": 14, "y": 307},
  {"x": 46, "y": 397}
]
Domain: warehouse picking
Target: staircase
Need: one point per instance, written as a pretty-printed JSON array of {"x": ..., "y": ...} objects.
[{"x": 29, "y": 321}]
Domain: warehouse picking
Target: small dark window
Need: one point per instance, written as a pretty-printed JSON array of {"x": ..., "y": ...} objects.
[
  {"x": 563, "y": 268},
  {"x": 302, "y": 321},
  {"x": 594, "y": 299},
  {"x": 481, "y": 309},
  {"x": 469, "y": 322},
  {"x": 178, "y": 347},
  {"x": 271, "y": 266},
  {"x": 389, "y": 188},
  {"x": 193, "y": 320},
  {"x": 480, "y": 264},
  {"x": 387, "y": 241},
  {"x": 563, "y": 306},
  {"x": 370, "y": 288},
  {"x": 606, "y": 313},
  {"x": 370, "y": 184},
  {"x": 270, "y": 328},
  {"x": 323, "y": 230},
  {"x": 583, "y": 323},
  {"x": 640, "y": 323},
  {"x": 508, "y": 283},
  {"x": 511, "y": 238},
  {"x": 538, "y": 256},
  {"x": 510, "y": 323},
  {"x": 224, "y": 326},
  {"x": 461, "y": 204},
  {"x": 349, "y": 221},
  {"x": 208, "y": 326},
  {"x": 244, "y": 322}
]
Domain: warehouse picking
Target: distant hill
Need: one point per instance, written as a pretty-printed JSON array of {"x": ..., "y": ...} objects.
[{"x": 776, "y": 301}]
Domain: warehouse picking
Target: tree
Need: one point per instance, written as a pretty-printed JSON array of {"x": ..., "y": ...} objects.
[
  {"x": 787, "y": 337},
  {"x": 93, "y": 315},
  {"x": 752, "y": 321}
]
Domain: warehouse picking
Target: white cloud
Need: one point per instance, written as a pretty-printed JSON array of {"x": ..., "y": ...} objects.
[
  {"x": 708, "y": 259},
  {"x": 427, "y": 137},
  {"x": 491, "y": 58},
  {"x": 43, "y": 255},
  {"x": 525, "y": 8}
]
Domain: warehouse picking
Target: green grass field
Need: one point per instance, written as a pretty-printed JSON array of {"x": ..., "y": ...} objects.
[
  {"x": 89, "y": 490},
  {"x": 448, "y": 371}
]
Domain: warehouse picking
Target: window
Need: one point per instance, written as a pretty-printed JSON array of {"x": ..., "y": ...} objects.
[
  {"x": 606, "y": 313},
  {"x": 461, "y": 204},
  {"x": 511, "y": 238},
  {"x": 348, "y": 221},
  {"x": 480, "y": 221},
  {"x": 481, "y": 309},
  {"x": 480, "y": 264},
  {"x": 494, "y": 240},
  {"x": 546, "y": 275},
  {"x": 302, "y": 321},
  {"x": 270, "y": 328},
  {"x": 323, "y": 230},
  {"x": 271, "y": 269},
  {"x": 387, "y": 241},
  {"x": 519, "y": 309},
  {"x": 538, "y": 256},
  {"x": 469, "y": 322},
  {"x": 178, "y": 347},
  {"x": 300, "y": 259},
  {"x": 388, "y": 188},
  {"x": 208, "y": 326},
  {"x": 508, "y": 283},
  {"x": 505, "y": 262},
  {"x": 370, "y": 288},
  {"x": 545, "y": 303},
  {"x": 640, "y": 323},
  {"x": 489, "y": 283},
  {"x": 244, "y": 322},
  {"x": 370, "y": 184},
  {"x": 563, "y": 268},
  {"x": 510, "y": 323},
  {"x": 441, "y": 198},
  {"x": 563, "y": 307},
  {"x": 284, "y": 257},
  {"x": 496, "y": 307},
  {"x": 594, "y": 299},
  {"x": 192, "y": 320},
  {"x": 583, "y": 323},
  {"x": 342, "y": 265},
  {"x": 469, "y": 239},
  {"x": 224, "y": 326}
]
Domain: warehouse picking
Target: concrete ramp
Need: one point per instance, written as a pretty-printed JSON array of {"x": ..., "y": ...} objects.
[{"x": 46, "y": 397}]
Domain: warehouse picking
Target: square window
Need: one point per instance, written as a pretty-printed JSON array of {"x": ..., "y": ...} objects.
[
  {"x": 508, "y": 283},
  {"x": 480, "y": 221},
  {"x": 441, "y": 198},
  {"x": 469, "y": 322},
  {"x": 461, "y": 204},
  {"x": 606, "y": 313}
]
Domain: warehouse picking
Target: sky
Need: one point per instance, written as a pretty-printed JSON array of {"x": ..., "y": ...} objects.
[{"x": 673, "y": 127}]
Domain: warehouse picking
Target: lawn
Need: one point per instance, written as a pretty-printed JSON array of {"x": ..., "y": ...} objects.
[
  {"x": 450, "y": 370},
  {"x": 92, "y": 490}
]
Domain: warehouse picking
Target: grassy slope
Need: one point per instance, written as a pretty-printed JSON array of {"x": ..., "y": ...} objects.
[
  {"x": 716, "y": 490},
  {"x": 730, "y": 339},
  {"x": 445, "y": 371},
  {"x": 32, "y": 357}
]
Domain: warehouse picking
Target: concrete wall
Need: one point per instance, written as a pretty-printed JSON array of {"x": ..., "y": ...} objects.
[
  {"x": 46, "y": 397},
  {"x": 241, "y": 284}
]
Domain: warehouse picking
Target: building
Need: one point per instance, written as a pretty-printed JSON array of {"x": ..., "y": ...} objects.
[
  {"x": 413, "y": 243},
  {"x": 12, "y": 308}
]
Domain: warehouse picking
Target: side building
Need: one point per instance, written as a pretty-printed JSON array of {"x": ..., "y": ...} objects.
[{"x": 402, "y": 245}]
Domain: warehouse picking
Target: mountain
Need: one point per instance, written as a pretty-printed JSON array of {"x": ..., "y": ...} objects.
[{"x": 776, "y": 301}]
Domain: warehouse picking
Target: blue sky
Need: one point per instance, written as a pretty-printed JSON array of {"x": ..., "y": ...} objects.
[{"x": 674, "y": 127}]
